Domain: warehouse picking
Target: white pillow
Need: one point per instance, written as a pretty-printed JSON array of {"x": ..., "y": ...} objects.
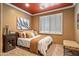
[{"x": 33, "y": 35}]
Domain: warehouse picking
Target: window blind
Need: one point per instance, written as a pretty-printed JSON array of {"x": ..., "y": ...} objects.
[{"x": 51, "y": 24}]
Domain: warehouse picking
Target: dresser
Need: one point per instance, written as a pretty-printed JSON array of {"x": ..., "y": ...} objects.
[{"x": 9, "y": 42}]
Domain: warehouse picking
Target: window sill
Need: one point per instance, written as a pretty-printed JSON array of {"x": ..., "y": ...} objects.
[{"x": 51, "y": 33}]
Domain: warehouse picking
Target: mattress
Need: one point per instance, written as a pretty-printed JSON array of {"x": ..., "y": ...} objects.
[{"x": 25, "y": 42}]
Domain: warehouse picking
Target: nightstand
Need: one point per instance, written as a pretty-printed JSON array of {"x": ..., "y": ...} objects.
[{"x": 9, "y": 42}]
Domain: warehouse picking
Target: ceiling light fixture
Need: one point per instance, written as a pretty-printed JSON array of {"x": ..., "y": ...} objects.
[
  {"x": 41, "y": 7},
  {"x": 45, "y": 5},
  {"x": 27, "y": 5}
]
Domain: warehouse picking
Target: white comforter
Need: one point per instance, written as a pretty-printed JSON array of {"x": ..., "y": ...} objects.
[{"x": 42, "y": 45}]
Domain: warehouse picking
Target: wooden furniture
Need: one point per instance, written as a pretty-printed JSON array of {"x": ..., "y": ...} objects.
[
  {"x": 9, "y": 42},
  {"x": 71, "y": 45}
]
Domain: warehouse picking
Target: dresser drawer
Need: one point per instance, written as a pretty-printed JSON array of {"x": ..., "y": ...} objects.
[{"x": 9, "y": 42}]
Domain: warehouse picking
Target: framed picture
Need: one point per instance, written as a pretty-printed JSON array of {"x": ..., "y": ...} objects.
[
  {"x": 78, "y": 21},
  {"x": 23, "y": 24}
]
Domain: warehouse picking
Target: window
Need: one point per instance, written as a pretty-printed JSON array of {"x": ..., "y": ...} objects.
[{"x": 51, "y": 24}]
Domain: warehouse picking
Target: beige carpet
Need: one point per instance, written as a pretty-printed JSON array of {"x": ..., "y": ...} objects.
[
  {"x": 54, "y": 50},
  {"x": 18, "y": 52}
]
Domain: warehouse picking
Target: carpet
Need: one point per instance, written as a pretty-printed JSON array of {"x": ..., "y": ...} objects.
[{"x": 54, "y": 50}]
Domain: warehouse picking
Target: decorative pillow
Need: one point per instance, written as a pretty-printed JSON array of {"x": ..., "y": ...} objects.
[
  {"x": 22, "y": 34},
  {"x": 29, "y": 34},
  {"x": 25, "y": 36},
  {"x": 33, "y": 35},
  {"x": 35, "y": 32}
]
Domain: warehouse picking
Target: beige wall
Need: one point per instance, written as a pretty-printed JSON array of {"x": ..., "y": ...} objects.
[
  {"x": 68, "y": 25},
  {"x": 0, "y": 28},
  {"x": 76, "y": 30},
  {"x": 10, "y": 16}
]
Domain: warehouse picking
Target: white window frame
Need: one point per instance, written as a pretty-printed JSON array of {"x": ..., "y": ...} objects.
[{"x": 53, "y": 32}]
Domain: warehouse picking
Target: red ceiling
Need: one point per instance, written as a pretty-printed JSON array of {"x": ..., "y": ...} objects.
[{"x": 35, "y": 8}]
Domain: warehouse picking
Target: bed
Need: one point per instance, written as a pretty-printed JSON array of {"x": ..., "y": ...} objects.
[{"x": 41, "y": 45}]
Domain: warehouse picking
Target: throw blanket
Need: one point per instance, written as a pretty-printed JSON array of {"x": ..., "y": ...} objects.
[{"x": 34, "y": 43}]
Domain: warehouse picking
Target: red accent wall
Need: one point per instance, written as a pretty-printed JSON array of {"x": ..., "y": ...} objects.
[{"x": 35, "y": 8}]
